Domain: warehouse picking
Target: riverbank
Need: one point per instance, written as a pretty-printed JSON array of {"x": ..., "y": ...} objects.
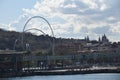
[{"x": 60, "y": 72}]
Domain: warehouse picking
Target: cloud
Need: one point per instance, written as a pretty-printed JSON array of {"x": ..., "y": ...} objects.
[
  {"x": 19, "y": 23},
  {"x": 74, "y": 18},
  {"x": 6, "y": 27},
  {"x": 101, "y": 30}
]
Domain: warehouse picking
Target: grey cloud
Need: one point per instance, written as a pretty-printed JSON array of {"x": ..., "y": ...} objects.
[
  {"x": 68, "y": 10},
  {"x": 113, "y": 10},
  {"x": 20, "y": 23},
  {"x": 79, "y": 4},
  {"x": 101, "y": 30},
  {"x": 84, "y": 30}
]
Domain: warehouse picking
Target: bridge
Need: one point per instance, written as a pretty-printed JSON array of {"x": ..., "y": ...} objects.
[{"x": 20, "y": 63}]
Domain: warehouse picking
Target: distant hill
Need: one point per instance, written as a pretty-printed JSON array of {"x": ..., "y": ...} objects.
[{"x": 42, "y": 43}]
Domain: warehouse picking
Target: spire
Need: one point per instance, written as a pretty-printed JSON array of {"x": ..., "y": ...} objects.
[
  {"x": 104, "y": 39},
  {"x": 99, "y": 40},
  {"x": 104, "y": 36},
  {"x": 87, "y": 38}
]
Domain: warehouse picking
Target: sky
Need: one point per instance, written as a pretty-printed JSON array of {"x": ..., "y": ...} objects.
[{"x": 68, "y": 18}]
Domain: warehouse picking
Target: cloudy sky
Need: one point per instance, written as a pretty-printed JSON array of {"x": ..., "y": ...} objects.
[{"x": 68, "y": 18}]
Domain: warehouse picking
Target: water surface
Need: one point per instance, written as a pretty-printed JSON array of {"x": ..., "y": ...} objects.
[{"x": 70, "y": 77}]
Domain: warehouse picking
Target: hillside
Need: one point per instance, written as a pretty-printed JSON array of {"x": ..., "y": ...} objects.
[
  {"x": 43, "y": 43},
  {"x": 12, "y": 40}
]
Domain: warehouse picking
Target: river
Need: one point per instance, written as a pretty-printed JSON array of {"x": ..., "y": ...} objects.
[{"x": 110, "y": 76}]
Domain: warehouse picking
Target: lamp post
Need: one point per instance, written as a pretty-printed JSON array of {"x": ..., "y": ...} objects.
[
  {"x": 15, "y": 55},
  {"x": 15, "y": 44}
]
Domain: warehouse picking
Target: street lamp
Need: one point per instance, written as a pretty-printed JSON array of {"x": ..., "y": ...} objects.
[{"x": 15, "y": 44}]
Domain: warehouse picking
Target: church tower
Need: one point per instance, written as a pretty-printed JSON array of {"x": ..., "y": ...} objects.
[
  {"x": 99, "y": 40},
  {"x": 104, "y": 39},
  {"x": 87, "y": 39}
]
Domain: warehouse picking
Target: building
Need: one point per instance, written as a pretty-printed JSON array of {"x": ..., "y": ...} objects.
[
  {"x": 10, "y": 62},
  {"x": 104, "y": 39}
]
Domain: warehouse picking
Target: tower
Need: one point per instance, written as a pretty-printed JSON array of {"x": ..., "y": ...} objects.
[
  {"x": 99, "y": 40},
  {"x": 87, "y": 39},
  {"x": 104, "y": 39}
]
